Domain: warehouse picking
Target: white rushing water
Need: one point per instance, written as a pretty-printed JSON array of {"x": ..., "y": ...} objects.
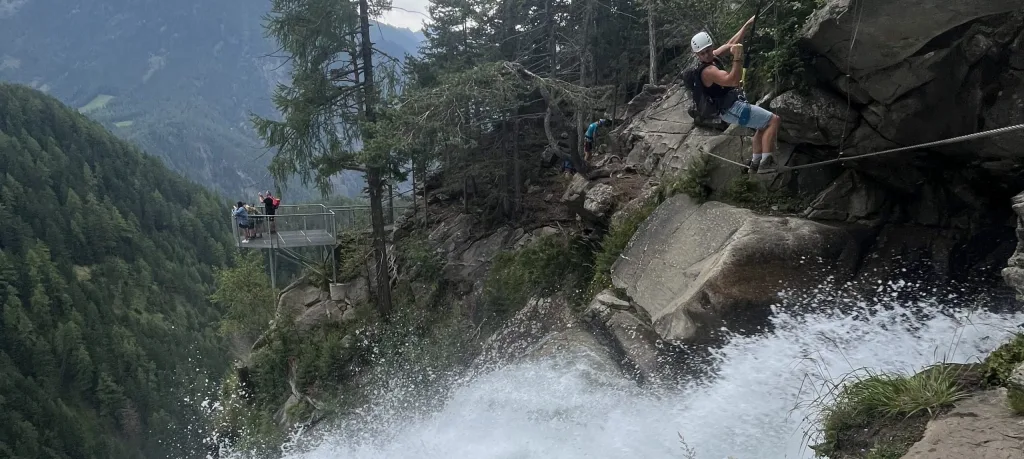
[{"x": 750, "y": 409}]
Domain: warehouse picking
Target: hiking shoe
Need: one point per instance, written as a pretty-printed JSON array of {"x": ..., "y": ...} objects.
[
  {"x": 752, "y": 166},
  {"x": 767, "y": 165}
]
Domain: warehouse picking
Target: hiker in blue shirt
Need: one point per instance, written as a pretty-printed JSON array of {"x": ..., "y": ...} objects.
[
  {"x": 588, "y": 138},
  {"x": 242, "y": 217}
]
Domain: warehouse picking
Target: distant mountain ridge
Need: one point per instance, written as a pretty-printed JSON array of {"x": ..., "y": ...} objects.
[{"x": 177, "y": 78}]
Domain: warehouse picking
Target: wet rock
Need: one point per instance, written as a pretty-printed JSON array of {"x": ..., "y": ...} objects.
[
  {"x": 691, "y": 267},
  {"x": 539, "y": 318},
  {"x": 633, "y": 338},
  {"x": 979, "y": 427},
  {"x": 578, "y": 349},
  {"x": 1013, "y": 273}
]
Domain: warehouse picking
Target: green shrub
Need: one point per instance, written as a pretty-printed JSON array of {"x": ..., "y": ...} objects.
[
  {"x": 352, "y": 253},
  {"x": 418, "y": 260},
  {"x": 778, "y": 63},
  {"x": 744, "y": 192},
  {"x": 694, "y": 180},
  {"x": 1002, "y": 361},
  {"x": 244, "y": 291},
  {"x": 547, "y": 265},
  {"x": 614, "y": 243}
]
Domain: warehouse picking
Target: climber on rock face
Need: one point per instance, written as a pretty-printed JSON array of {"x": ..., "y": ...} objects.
[{"x": 723, "y": 88}]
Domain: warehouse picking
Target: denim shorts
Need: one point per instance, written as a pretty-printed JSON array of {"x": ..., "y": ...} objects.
[{"x": 747, "y": 115}]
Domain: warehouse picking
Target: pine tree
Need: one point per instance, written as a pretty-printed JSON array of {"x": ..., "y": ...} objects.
[{"x": 331, "y": 106}]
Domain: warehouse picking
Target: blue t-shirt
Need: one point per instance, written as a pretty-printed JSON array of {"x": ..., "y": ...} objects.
[
  {"x": 591, "y": 130},
  {"x": 242, "y": 216}
]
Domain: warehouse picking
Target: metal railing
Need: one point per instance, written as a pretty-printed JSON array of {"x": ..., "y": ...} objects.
[
  {"x": 359, "y": 216},
  {"x": 312, "y": 218}
]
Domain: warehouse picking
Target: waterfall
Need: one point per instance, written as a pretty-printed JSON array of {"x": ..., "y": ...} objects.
[{"x": 753, "y": 405}]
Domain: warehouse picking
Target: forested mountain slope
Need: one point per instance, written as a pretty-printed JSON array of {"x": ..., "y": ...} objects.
[
  {"x": 177, "y": 78},
  {"x": 106, "y": 261}
]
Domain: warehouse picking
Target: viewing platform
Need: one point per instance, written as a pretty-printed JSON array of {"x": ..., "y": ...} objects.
[
  {"x": 303, "y": 225},
  {"x": 308, "y": 225}
]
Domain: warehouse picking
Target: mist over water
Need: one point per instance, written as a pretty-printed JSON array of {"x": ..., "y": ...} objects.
[{"x": 563, "y": 407}]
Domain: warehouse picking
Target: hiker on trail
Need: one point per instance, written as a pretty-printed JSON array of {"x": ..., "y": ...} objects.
[
  {"x": 722, "y": 88},
  {"x": 588, "y": 138},
  {"x": 270, "y": 204},
  {"x": 242, "y": 217}
]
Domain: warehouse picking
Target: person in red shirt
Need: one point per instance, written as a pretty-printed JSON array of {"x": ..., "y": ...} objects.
[{"x": 270, "y": 204}]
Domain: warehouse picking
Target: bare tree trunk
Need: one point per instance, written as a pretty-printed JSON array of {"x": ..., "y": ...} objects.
[
  {"x": 426, "y": 193},
  {"x": 651, "y": 43},
  {"x": 391, "y": 202},
  {"x": 517, "y": 174},
  {"x": 584, "y": 61},
  {"x": 506, "y": 201},
  {"x": 374, "y": 173},
  {"x": 549, "y": 9},
  {"x": 415, "y": 207}
]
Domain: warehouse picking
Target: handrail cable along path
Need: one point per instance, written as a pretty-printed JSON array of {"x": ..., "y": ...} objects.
[{"x": 977, "y": 135}]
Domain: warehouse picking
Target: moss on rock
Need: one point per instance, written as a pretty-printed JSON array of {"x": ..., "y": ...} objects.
[{"x": 1016, "y": 399}]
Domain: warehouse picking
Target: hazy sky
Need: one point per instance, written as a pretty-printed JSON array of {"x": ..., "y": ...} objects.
[{"x": 409, "y": 14}]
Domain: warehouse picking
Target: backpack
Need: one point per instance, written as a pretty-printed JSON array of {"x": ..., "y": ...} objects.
[{"x": 702, "y": 106}]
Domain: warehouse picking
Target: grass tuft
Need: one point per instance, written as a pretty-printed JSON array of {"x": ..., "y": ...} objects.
[
  {"x": 867, "y": 401},
  {"x": 694, "y": 180}
]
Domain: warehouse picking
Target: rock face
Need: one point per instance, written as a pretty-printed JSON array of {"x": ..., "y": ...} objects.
[
  {"x": 979, "y": 427},
  {"x": 944, "y": 70},
  {"x": 663, "y": 141},
  {"x": 589, "y": 199},
  {"x": 307, "y": 306},
  {"x": 540, "y": 318},
  {"x": 817, "y": 118},
  {"x": 888, "y": 32},
  {"x": 691, "y": 267},
  {"x": 546, "y": 327},
  {"x": 632, "y": 336},
  {"x": 1013, "y": 273}
]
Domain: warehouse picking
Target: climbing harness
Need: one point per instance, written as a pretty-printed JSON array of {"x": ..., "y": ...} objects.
[{"x": 963, "y": 138}]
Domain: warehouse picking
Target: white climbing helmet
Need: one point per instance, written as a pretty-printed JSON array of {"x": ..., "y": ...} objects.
[{"x": 700, "y": 41}]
